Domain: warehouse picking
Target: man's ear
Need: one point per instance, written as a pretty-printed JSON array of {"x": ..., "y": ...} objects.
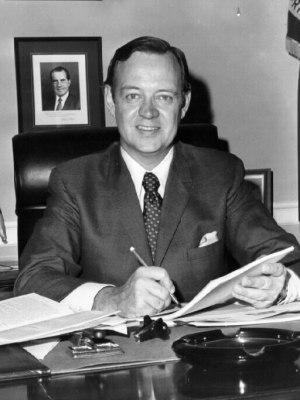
[
  {"x": 109, "y": 100},
  {"x": 184, "y": 109}
]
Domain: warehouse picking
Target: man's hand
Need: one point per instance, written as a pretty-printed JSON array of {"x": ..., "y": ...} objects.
[
  {"x": 141, "y": 295},
  {"x": 262, "y": 290}
]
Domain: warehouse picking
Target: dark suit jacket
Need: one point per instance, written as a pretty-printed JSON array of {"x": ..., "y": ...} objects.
[
  {"x": 72, "y": 103},
  {"x": 93, "y": 217}
]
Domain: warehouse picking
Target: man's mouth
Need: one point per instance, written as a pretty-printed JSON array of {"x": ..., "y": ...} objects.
[{"x": 147, "y": 128}]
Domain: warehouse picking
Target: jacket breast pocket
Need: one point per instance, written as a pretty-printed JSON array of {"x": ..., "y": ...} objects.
[
  {"x": 206, "y": 251},
  {"x": 207, "y": 263}
]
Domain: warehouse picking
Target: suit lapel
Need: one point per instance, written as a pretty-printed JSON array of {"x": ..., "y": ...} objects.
[
  {"x": 125, "y": 201},
  {"x": 177, "y": 193}
]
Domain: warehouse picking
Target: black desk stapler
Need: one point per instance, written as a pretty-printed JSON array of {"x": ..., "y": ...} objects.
[{"x": 152, "y": 329}]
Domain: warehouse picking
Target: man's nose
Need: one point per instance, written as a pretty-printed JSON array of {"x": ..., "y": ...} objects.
[{"x": 148, "y": 109}]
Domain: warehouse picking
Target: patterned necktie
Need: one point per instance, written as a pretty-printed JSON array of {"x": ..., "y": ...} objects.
[
  {"x": 152, "y": 209},
  {"x": 59, "y": 104}
]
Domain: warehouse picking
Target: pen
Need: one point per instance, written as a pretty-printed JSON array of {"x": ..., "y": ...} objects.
[{"x": 139, "y": 258}]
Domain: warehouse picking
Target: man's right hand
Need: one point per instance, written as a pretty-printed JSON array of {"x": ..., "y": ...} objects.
[{"x": 146, "y": 292}]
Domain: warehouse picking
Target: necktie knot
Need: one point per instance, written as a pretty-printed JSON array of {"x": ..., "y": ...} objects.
[{"x": 150, "y": 182}]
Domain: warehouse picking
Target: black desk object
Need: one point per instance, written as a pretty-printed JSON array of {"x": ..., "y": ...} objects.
[{"x": 246, "y": 350}]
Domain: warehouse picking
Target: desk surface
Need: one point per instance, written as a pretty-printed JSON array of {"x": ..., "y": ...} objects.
[{"x": 175, "y": 380}]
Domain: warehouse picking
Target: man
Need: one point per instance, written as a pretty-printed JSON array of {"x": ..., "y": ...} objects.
[
  {"x": 101, "y": 206},
  {"x": 62, "y": 99}
]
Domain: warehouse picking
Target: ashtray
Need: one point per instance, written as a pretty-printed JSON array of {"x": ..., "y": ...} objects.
[{"x": 242, "y": 349}]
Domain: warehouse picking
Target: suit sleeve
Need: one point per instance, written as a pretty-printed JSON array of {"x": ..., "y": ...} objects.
[
  {"x": 50, "y": 261},
  {"x": 250, "y": 229}
]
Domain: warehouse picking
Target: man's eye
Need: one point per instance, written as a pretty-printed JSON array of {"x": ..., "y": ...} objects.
[
  {"x": 165, "y": 98},
  {"x": 132, "y": 96}
]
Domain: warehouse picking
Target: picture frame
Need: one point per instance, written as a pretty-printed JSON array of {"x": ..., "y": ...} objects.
[
  {"x": 262, "y": 185},
  {"x": 47, "y": 68}
]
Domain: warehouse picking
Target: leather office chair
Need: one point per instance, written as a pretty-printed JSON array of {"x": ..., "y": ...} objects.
[{"x": 36, "y": 154}]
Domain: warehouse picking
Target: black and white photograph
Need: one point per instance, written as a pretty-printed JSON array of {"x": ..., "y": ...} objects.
[
  {"x": 150, "y": 199},
  {"x": 60, "y": 90},
  {"x": 59, "y": 83}
]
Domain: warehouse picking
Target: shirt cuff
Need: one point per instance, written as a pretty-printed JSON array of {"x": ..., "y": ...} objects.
[{"x": 82, "y": 298}]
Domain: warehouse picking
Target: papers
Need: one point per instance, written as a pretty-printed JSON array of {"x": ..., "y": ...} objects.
[
  {"x": 237, "y": 314},
  {"x": 114, "y": 323},
  {"x": 32, "y": 317},
  {"x": 39, "y": 349},
  {"x": 23, "y": 310},
  {"x": 219, "y": 290}
]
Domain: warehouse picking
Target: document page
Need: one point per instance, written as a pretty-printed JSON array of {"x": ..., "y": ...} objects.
[
  {"x": 53, "y": 327},
  {"x": 32, "y": 316},
  {"x": 24, "y": 310},
  {"x": 219, "y": 290}
]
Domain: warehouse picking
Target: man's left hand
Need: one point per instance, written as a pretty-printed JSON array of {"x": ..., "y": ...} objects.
[{"x": 262, "y": 290}]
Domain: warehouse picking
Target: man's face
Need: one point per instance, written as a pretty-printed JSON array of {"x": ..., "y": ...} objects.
[
  {"x": 147, "y": 105},
  {"x": 60, "y": 83}
]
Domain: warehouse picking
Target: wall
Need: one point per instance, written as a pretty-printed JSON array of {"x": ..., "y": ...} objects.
[{"x": 251, "y": 80}]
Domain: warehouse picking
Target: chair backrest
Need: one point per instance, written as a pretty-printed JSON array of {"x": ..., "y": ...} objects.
[{"x": 36, "y": 154}]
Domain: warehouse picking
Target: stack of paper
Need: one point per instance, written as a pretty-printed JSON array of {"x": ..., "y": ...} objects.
[
  {"x": 237, "y": 314},
  {"x": 32, "y": 317}
]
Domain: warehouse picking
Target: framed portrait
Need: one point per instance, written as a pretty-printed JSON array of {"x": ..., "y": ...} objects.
[
  {"x": 59, "y": 83},
  {"x": 262, "y": 185}
]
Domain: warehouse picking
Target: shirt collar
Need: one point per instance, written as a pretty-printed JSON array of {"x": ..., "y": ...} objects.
[
  {"x": 137, "y": 172},
  {"x": 63, "y": 98}
]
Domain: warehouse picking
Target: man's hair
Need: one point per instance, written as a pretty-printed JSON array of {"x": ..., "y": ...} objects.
[
  {"x": 60, "y": 69},
  {"x": 151, "y": 45}
]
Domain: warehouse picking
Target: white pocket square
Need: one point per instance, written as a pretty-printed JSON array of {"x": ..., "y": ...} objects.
[{"x": 208, "y": 239}]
